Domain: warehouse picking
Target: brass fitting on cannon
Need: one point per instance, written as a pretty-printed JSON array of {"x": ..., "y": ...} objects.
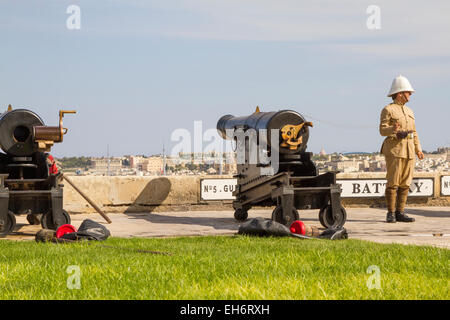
[
  {"x": 289, "y": 135},
  {"x": 46, "y": 136}
]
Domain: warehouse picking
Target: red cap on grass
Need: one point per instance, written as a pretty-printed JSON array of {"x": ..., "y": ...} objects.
[
  {"x": 298, "y": 227},
  {"x": 65, "y": 229}
]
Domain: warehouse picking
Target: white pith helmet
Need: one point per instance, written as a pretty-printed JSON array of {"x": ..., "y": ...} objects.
[{"x": 400, "y": 84}]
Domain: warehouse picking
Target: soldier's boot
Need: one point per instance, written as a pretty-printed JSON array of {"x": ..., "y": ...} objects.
[
  {"x": 402, "y": 196},
  {"x": 402, "y": 217},
  {"x": 391, "y": 197},
  {"x": 390, "y": 217}
]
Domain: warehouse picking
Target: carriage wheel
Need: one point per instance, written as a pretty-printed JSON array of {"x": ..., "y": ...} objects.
[
  {"x": 277, "y": 216},
  {"x": 327, "y": 220},
  {"x": 9, "y": 225},
  {"x": 241, "y": 214},
  {"x": 47, "y": 220}
]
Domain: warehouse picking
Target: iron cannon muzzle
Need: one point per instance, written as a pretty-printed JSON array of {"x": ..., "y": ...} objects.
[{"x": 292, "y": 128}]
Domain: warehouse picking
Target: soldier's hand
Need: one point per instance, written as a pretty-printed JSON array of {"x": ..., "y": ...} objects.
[
  {"x": 420, "y": 155},
  {"x": 396, "y": 126},
  {"x": 402, "y": 134}
]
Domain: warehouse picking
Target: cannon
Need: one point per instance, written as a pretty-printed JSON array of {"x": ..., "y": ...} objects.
[
  {"x": 28, "y": 184},
  {"x": 294, "y": 182}
]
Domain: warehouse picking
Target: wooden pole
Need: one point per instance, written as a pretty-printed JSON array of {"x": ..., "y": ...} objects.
[{"x": 87, "y": 199}]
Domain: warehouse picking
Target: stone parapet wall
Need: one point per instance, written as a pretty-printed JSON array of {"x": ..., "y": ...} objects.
[
  {"x": 435, "y": 200},
  {"x": 182, "y": 193}
]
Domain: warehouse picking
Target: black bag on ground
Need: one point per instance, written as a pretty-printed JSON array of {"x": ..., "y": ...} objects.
[
  {"x": 334, "y": 234},
  {"x": 89, "y": 230},
  {"x": 264, "y": 228}
]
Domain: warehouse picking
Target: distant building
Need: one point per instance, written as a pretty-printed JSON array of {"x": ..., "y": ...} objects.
[
  {"x": 104, "y": 165},
  {"x": 377, "y": 166},
  {"x": 224, "y": 163},
  {"x": 147, "y": 165},
  {"x": 153, "y": 165},
  {"x": 343, "y": 165},
  {"x": 136, "y": 162},
  {"x": 211, "y": 171},
  {"x": 364, "y": 165}
]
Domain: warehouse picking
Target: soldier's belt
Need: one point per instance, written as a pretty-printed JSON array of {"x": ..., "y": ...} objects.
[{"x": 405, "y": 135}]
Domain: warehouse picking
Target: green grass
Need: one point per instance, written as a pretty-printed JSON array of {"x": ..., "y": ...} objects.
[{"x": 223, "y": 268}]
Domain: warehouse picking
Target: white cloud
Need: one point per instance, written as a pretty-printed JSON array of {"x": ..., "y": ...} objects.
[{"x": 410, "y": 28}]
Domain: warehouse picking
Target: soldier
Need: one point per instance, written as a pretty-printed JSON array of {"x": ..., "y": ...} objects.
[{"x": 397, "y": 124}]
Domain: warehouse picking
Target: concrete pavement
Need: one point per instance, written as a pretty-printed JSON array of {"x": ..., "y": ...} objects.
[{"x": 432, "y": 226}]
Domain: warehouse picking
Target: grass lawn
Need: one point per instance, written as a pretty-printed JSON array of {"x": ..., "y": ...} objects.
[{"x": 224, "y": 267}]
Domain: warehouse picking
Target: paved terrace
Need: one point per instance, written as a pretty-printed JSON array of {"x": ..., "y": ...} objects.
[{"x": 432, "y": 226}]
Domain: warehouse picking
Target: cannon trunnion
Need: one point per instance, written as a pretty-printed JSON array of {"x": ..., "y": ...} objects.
[
  {"x": 294, "y": 182},
  {"x": 27, "y": 185}
]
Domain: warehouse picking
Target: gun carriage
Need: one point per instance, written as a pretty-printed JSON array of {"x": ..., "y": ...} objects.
[
  {"x": 27, "y": 183},
  {"x": 295, "y": 183}
]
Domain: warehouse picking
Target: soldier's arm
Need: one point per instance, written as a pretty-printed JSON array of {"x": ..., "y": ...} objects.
[
  {"x": 386, "y": 129},
  {"x": 417, "y": 146}
]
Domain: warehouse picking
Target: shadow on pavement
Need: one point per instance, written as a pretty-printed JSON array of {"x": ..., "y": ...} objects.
[
  {"x": 215, "y": 222},
  {"x": 226, "y": 222},
  {"x": 429, "y": 213}
]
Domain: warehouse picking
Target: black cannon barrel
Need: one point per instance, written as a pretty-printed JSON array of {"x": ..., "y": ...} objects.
[
  {"x": 16, "y": 132},
  {"x": 264, "y": 120}
]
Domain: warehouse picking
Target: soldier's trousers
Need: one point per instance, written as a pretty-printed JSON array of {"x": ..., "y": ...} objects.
[
  {"x": 399, "y": 172},
  {"x": 399, "y": 176}
]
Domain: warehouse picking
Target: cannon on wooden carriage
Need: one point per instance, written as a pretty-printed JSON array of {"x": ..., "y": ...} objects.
[
  {"x": 290, "y": 180},
  {"x": 28, "y": 185}
]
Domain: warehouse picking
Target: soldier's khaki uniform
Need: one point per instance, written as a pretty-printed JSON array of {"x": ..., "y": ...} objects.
[{"x": 399, "y": 153}]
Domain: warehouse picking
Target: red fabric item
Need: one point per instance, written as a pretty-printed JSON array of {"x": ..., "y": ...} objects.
[
  {"x": 64, "y": 229},
  {"x": 298, "y": 227},
  {"x": 53, "y": 169}
]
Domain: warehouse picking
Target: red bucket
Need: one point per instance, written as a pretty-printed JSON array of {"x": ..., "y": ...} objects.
[
  {"x": 65, "y": 229},
  {"x": 298, "y": 227}
]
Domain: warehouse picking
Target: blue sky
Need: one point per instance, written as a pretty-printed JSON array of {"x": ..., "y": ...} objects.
[{"x": 138, "y": 70}]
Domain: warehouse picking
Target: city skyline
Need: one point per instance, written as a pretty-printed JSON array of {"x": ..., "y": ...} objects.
[
  {"x": 105, "y": 155},
  {"x": 210, "y": 164}
]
